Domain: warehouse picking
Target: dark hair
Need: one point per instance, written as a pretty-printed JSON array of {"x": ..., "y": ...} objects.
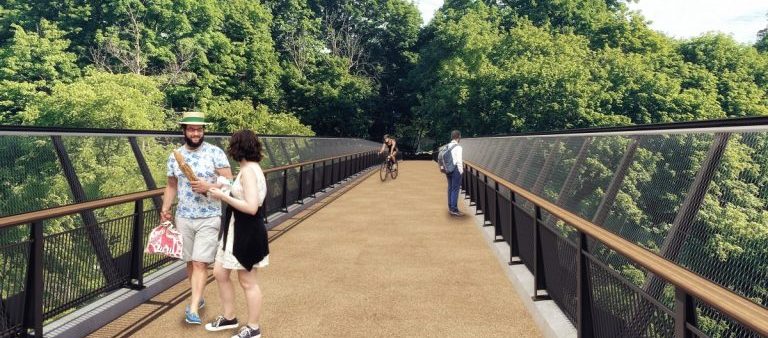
[
  {"x": 455, "y": 135},
  {"x": 244, "y": 144}
]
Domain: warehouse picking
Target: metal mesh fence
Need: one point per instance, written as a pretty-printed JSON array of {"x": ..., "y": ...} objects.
[
  {"x": 560, "y": 265},
  {"x": 105, "y": 165},
  {"x": 30, "y": 173},
  {"x": 274, "y": 199},
  {"x": 71, "y": 269},
  {"x": 713, "y": 323},
  {"x": 622, "y": 310},
  {"x": 12, "y": 284},
  {"x": 697, "y": 197}
]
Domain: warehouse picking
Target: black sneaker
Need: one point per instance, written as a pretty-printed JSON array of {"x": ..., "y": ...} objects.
[
  {"x": 221, "y": 323},
  {"x": 248, "y": 332}
]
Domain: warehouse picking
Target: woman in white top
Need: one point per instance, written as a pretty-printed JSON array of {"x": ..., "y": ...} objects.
[{"x": 243, "y": 244}]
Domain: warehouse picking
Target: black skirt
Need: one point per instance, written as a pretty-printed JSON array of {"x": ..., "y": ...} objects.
[{"x": 250, "y": 244}]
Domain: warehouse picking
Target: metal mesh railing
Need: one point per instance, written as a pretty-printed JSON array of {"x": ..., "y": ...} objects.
[
  {"x": 34, "y": 176},
  {"x": 12, "y": 283},
  {"x": 28, "y": 171},
  {"x": 83, "y": 254},
  {"x": 696, "y": 196}
]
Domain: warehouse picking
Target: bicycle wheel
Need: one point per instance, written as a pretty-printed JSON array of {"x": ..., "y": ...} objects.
[
  {"x": 383, "y": 171},
  {"x": 395, "y": 169}
]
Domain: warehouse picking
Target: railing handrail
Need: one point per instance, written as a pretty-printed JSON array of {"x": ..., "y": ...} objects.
[
  {"x": 733, "y": 122},
  {"x": 291, "y": 166},
  {"x": 71, "y": 209},
  {"x": 734, "y": 305}
]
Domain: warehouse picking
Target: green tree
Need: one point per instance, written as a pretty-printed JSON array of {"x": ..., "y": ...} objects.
[
  {"x": 297, "y": 34},
  {"x": 741, "y": 72},
  {"x": 235, "y": 115},
  {"x": 101, "y": 100},
  {"x": 328, "y": 98},
  {"x": 762, "y": 40},
  {"x": 652, "y": 88},
  {"x": 200, "y": 49},
  {"x": 452, "y": 59},
  {"x": 30, "y": 65},
  {"x": 375, "y": 40}
]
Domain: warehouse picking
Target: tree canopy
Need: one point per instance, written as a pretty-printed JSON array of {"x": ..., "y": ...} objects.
[
  {"x": 367, "y": 67},
  {"x": 489, "y": 67}
]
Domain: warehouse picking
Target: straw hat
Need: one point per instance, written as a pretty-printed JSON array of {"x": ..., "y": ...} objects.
[{"x": 193, "y": 118}]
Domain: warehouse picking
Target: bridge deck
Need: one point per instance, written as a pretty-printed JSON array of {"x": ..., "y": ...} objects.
[{"x": 384, "y": 259}]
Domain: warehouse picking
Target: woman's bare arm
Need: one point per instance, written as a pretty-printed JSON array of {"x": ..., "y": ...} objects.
[{"x": 250, "y": 202}]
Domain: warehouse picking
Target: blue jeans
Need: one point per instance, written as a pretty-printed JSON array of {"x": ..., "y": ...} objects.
[{"x": 454, "y": 185}]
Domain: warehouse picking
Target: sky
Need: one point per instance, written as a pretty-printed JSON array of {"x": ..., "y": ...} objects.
[
  {"x": 684, "y": 18},
  {"x": 428, "y": 8},
  {"x": 689, "y": 18}
]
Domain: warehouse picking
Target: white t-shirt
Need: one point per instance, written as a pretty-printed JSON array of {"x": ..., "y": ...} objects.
[{"x": 456, "y": 152}]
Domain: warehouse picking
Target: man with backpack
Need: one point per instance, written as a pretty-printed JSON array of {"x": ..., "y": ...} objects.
[{"x": 450, "y": 161}]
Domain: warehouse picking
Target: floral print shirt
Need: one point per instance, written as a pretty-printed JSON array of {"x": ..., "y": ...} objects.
[{"x": 204, "y": 161}]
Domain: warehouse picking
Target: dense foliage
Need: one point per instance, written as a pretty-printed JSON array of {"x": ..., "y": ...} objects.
[
  {"x": 490, "y": 67},
  {"x": 328, "y": 67},
  {"x": 365, "y": 67}
]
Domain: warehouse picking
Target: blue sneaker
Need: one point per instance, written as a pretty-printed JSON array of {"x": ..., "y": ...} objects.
[
  {"x": 200, "y": 306},
  {"x": 192, "y": 318}
]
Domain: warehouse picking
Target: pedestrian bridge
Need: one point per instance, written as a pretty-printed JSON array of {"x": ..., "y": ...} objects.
[{"x": 649, "y": 231}]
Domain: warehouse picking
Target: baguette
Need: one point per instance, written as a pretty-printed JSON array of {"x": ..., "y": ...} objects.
[{"x": 184, "y": 167}]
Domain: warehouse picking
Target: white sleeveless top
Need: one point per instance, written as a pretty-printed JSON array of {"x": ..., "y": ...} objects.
[{"x": 261, "y": 183}]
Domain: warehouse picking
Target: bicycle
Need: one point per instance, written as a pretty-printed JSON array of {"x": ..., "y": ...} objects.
[{"x": 388, "y": 168}]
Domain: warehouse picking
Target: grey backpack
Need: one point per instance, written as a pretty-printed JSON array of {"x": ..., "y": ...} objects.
[{"x": 445, "y": 159}]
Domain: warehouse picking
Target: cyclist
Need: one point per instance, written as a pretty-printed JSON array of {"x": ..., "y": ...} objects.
[{"x": 391, "y": 146}]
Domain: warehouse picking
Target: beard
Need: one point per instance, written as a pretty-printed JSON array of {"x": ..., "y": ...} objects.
[{"x": 192, "y": 144}]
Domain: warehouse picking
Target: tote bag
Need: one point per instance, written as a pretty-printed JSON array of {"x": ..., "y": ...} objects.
[{"x": 165, "y": 239}]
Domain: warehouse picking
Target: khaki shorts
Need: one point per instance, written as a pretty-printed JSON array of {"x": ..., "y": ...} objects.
[{"x": 201, "y": 237}]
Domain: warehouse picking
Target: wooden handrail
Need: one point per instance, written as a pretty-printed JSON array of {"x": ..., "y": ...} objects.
[
  {"x": 291, "y": 166},
  {"x": 736, "y": 306},
  {"x": 75, "y": 208},
  {"x": 107, "y": 202}
]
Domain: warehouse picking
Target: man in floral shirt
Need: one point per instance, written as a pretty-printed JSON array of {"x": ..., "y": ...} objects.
[{"x": 198, "y": 217}]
